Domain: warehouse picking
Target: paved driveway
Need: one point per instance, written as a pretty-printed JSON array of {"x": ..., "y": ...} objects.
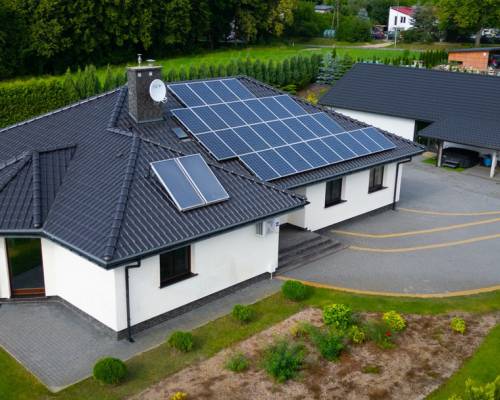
[{"x": 444, "y": 237}]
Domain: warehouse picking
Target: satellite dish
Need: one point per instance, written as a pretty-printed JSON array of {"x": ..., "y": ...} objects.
[{"x": 158, "y": 91}]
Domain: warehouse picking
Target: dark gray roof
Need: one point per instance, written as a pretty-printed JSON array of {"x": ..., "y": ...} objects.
[
  {"x": 425, "y": 95},
  {"x": 91, "y": 189},
  {"x": 83, "y": 173}
]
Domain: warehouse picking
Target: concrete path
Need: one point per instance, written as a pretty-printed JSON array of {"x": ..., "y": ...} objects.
[
  {"x": 443, "y": 238},
  {"x": 60, "y": 347}
]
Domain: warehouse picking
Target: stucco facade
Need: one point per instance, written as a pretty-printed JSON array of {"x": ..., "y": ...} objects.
[
  {"x": 355, "y": 196},
  {"x": 403, "y": 127},
  {"x": 218, "y": 262}
]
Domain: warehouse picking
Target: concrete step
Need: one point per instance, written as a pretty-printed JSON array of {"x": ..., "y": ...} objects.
[{"x": 307, "y": 246}]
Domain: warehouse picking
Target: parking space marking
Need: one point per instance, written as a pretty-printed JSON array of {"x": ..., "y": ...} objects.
[
  {"x": 425, "y": 247},
  {"x": 449, "y": 214},
  {"x": 416, "y": 232},
  {"x": 459, "y": 293}
]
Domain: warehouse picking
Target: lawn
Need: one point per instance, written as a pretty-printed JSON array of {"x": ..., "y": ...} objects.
[
  {"x": 432, "y": 161},
  {"x": 150, "y": 367}
]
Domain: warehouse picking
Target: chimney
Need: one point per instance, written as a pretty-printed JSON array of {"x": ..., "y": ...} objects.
[{"x": 141, "y": 106}]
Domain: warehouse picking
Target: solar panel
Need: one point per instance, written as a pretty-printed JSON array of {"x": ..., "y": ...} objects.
[
  {"x": 203, "y": 178},
  {"x": 273, "y": 136},
  {"x": 189, "y": 181},
  {"x": 238, "y": 89},
  {"x": 186, "y": 95},
  {"x": 222, "y": 91},
  {"x": 210, "y": 118},
  {"x": 378, "y": 138},
  {"x": 190, "y": 120},
  {"x": 216, "y": 146},
  {"x": 261, "y": 110},
  {"x": 299, "y": 129},
  {"x": 178, "y": 186},
  {"x": 291, "y": 105},
  {"x": 244, "y": 112},
  {"x": 259, "y": 167}
]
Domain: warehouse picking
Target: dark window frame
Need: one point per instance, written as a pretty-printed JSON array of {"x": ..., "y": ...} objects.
[
  {"x": 168, "y": 257},
  {"x": 376, "y": 182},
  {"x": 329, "y": 199}
]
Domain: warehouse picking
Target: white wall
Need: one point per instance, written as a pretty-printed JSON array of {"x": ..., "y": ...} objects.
[
  {"x": 357, "y": 199},
  {"x": 220, "y": 262},
  {"x": 403, "y": 127},
  {"x": 409, "y": 21},
  {"x": 4, "y": 271},
  {"x": 80, "y": 282}
]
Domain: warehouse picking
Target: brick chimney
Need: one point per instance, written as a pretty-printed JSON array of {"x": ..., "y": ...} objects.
[{"x": 140, "y": 105}]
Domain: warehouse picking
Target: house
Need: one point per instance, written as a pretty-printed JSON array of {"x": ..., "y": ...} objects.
[
  {"x": 323, "y": 8},
  {"x": 400, "y": 18},
  {"x": 448, "y": 108},
  {"x": 479, "y": 58},
  {"x": 132, "y": 211}
]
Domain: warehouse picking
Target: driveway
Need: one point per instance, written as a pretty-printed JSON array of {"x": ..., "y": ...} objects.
[{"x": 444, "y": 237}]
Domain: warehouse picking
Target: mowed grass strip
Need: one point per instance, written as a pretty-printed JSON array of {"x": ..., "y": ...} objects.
[{"x": 150, "y": 367}]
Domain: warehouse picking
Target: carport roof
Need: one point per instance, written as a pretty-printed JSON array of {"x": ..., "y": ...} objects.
[{"x": 457, "y": 100}]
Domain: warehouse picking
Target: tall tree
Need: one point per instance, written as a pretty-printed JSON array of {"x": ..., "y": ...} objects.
[{"x": 470, "y": 15}]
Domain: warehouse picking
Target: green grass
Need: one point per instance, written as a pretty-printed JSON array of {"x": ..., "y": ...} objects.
[
  {"x": 483, "y": 367},
  {"x": 154, "y": 365},
  {"x": 432, "y": 161}
]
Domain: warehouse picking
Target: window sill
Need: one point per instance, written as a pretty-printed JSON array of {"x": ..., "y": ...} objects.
[
  {"x": 335, "y": 203},
  {"x": 376, "y": 189},
  {"x": 177, "y": 279}
]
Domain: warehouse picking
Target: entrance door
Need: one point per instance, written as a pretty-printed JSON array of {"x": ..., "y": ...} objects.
[{"x": 25, "y": 267}]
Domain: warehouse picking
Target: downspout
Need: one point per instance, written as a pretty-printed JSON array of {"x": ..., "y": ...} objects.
[
  {"x": 396, "y": 182},
  {"x": 127, "y": 299}
]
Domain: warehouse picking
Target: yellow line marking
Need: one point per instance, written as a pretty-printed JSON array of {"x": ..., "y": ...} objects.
[
  {"x": 425, "y": 247},
  {"x": 394, "y": 294},
  {"x": 417, "y": 232},
  {"x": 451, "y": 214}
]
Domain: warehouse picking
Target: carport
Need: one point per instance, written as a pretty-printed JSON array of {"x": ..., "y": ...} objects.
[{"x": 481, "y": 135}]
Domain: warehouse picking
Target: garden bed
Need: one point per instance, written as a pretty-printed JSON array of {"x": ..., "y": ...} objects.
[{"x": 425, "y": 355}]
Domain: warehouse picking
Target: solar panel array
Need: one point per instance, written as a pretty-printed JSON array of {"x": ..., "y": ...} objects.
[
  {"x": 273, "y": 136},
  {"x": 189, "y": 181}
]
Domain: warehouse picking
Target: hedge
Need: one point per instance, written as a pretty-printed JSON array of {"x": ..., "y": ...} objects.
[{"x": 24, "y": 99}]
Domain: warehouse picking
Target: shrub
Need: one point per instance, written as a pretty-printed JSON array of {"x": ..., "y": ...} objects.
[
  {"x": 380, "y": 333},
  {"x": 356, "y": 335},
  {"x": 242, "y": 313},
  {"x": 237, "y": 363},
  {"x": 490, "y": 391},
  {"x": 110, "y": 370},
  {"x": 182, "y": 341},
  {"x": 394, "y": 321},
  {"x": 328, "y": 343},
  {"x": 338, "y": 316},
  {"x": 179, "y": 396},
  {"x": 283, "y": 360},
  {"x": 301, "y": 329},
  {"x": 295, "y": 290},
  {"x": 458, "y": 325}
]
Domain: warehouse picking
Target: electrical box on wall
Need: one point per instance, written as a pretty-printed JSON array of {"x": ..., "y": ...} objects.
[{"x": 266, "y": 227}]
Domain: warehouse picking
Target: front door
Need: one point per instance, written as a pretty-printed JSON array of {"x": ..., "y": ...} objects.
[{"x": 25, "y": 267}]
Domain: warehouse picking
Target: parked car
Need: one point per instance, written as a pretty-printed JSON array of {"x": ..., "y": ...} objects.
[
  {"x": 378, "y": 35},
  {"x": 495, "y": 61},
  {"x": 455, "y": 157}
]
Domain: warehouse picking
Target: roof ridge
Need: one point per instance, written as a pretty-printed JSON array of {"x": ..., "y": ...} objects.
[
  {"x": 23, "y": 161},
  {"x": 37, "y": 193},
  {"x": 14, "y": 159},
  {"x": 117, "y": 107},
  {"x": 58, "y": 110},
  {"x": 121, "y": 204}
]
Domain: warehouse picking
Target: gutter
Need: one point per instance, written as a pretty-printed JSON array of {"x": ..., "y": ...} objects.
[
  {"x": 127, "y": 298},
  {"x": 396, "y": 181}
]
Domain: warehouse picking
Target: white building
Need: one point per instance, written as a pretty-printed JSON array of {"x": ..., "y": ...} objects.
[
  {"x": 106, "y": 205},
  {"x": 438, "y": 108},
  {"x": 400, "y": 18}
]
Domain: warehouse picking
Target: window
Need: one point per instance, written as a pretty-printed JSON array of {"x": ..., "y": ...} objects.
[
  {"x": 403, "y": 20},
  {"x": 175, "y": 266},
  {"x": 24, "y": 258},
  {"x": 396, "y": 20},
  {"x": 376, "y": 179},
  {"x": 333, "y": 192}
]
